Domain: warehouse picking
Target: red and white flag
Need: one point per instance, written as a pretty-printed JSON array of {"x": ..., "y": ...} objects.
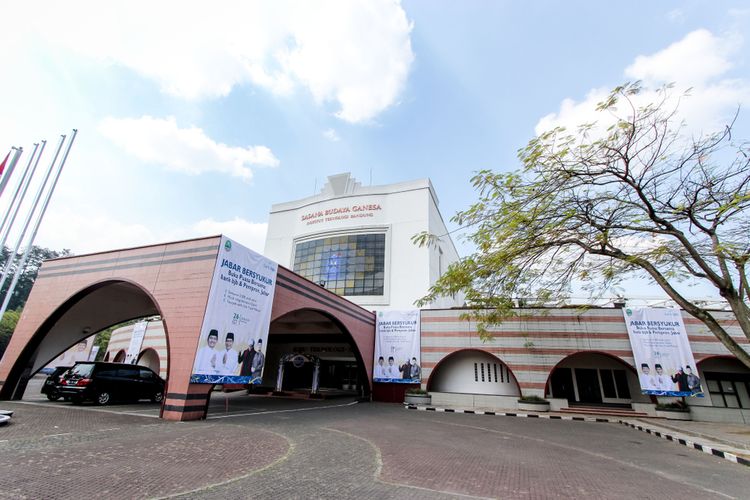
[{"x": 2, "y": 165}]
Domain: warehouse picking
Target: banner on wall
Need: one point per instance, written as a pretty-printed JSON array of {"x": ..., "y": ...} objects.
[
  {"x": 232, "y": 345},
  {"x": 397, "y": 347},
  {"x": 136, "y": 341},
  {"x": 662, "y": 353}
]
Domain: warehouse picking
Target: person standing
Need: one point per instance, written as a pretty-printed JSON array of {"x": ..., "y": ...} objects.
[
  {"x": 414, "y": 371},
  {"x": 693, "y": 381},
  {"x": 405, "y": 370},
  {"x": 391, "y": 371},
  {"x": 205, "y": 360},
  {"x": 227, "y": 357},
  {"x": 662, "y": 381},
  {"x": 680, "y": 379},
  {"x": 380, "y": 368},
  {"x": 245, "y": 360},
  {"x": 646, "y": 379},
  {"x": 258, "y": 360}
]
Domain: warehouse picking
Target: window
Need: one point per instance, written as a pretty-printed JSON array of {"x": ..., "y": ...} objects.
[
  {"x": 476, "y": 373},
  {"x": 729, "y": 390},
  {"x": 347, "y": 265},
  {"x": 495, "y": 365},
  {"x": 482, "y": 371}
]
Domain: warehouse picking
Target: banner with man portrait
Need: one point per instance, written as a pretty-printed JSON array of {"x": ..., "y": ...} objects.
[
  {"x": 663, "y": 358},
  {"x": 232, "y": 345},
  {"x": 397, "y": 346}
]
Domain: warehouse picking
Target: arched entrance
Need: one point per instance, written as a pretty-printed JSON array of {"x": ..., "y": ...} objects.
[
  {"x": 120, "y": 356},
  {"x": 150, "y": 359},
  {"x": 91, "y": 309},
  {"x": 725, "y": 382},
  {"x": 314, "y": 334},
  {"x": 473, "y": 371},
  {"x": 594, "y": 378}
]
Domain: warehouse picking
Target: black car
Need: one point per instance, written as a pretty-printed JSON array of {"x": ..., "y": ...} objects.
[
  {"x": 50, "y": 385},
  {"x": 107, "y": 382}
]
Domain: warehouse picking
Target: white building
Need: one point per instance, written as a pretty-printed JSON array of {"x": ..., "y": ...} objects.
[{"x": 356, "y": 241}]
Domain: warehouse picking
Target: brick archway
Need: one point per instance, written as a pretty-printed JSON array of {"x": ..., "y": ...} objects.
[{"x": 88, "y": 293}]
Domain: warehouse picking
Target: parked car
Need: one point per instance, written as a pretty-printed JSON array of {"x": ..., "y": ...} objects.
[
  {"x": 50, "y": 384},
  {"x": 103, "y": 383}
]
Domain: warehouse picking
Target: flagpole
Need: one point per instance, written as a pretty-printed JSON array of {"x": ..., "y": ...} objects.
[
  {"x": 9, "y": 169},
  {"x": 37, "y": 197},
  {"x": 38, "y": 223},
  {"x": 22, "y": 186}
]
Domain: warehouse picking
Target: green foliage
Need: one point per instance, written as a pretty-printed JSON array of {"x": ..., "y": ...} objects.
[
  {"x": 102, "y": 340},
  {"x": 415, "y": 391},
  {"x": 28, "y": 275},
  {"x": 604, "y": 203},
  {"x": 7, "y": 325}
]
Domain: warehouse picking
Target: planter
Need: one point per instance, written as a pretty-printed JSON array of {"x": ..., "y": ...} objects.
[
  {"x": 417, "y": 399},
  {"x": 533, "y": 405},
  {"x": 674, "y": 414}
]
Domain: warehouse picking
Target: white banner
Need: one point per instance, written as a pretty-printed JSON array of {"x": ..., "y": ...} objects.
[
  {"x": 662, "y": 353},
  {"x": 136, "y": 341},
  {"x": 397, "y": 346},
  {"x": 232, "y": 346}
]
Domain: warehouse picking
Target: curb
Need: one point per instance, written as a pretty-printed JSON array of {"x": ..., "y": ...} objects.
[
  {"x": 669, "y": 437},
  {"x": 690, "y": 444}
]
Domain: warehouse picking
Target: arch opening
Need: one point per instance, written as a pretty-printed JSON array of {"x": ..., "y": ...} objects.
[
  {"x": 725, "y": 381},
  {"x": 314, "y": 333},
  {"x": 150, "y": 359},
  {"x": 92, "y": 309},
  {"x": 595, "y": 378},
  {"x": 472, "y": 371}
]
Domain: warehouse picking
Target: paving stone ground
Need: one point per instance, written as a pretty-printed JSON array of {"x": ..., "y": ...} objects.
[{"x": 295, "y": 449}]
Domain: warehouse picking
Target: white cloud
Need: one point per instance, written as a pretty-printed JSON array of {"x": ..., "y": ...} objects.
[
  {"x": 694, "y": 60},
  {"x": 188, "y": 150},
  {"x": 95, "y": 232},
  {"x": 355, "y": 54},
  {"x": 331, "y": 135},
  {"x": 699, "y": 61}
]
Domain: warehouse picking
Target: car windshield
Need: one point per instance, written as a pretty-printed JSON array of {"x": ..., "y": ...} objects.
[{"x": 83, "y": 370}]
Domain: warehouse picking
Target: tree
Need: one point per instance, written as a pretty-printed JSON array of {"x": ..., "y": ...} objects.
[
  {"x": 7, "y": 325},
  {"x": 602, "y": 204},
  {"x": 36, "y": 256}
]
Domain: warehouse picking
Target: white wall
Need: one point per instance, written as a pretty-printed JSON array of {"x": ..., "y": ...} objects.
[
  {"x": 456, "y": 374},
  {"x": 405, "y": 209}
]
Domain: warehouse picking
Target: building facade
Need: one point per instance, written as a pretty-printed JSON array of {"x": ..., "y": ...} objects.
[
  {"x": 572, "y": 358},
  {"x": 356, "y": 241}
]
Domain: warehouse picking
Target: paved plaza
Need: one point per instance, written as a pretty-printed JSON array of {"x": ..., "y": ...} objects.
[{"x": 266, "y": 447}]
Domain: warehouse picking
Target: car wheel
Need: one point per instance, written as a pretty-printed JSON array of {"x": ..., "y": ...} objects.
[
  {"x": 103, "y": 398},
  {"x": 53, "y": 397},
  {"x": 157, "y": 397}
]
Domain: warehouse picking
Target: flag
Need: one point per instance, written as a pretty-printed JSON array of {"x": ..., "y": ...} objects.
[{"x": 2, "y": 165}]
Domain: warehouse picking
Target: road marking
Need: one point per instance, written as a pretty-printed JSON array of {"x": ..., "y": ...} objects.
[
  {"x": 79, "y": 408},
  {"x": 279, "y": 411}
]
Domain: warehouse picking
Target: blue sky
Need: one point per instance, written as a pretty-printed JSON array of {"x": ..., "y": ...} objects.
[{"x": 194, "y": 121}]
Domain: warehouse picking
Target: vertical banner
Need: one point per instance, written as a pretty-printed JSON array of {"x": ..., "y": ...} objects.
[
  {"x": 136, "y": 341},
  {"x": 232, "y": 346},
  {"x": 662, "y": 353},
  {"x": 93, "y": 353},
  {"x": 397, "y": 347}
]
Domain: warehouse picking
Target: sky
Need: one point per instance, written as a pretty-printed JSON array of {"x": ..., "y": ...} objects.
[{"x": 194, "y": 120}]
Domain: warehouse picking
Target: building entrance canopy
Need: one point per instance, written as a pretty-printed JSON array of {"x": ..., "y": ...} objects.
[{"x": 75, "y": 297}]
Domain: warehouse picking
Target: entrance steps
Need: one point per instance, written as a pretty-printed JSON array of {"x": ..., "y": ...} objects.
[{"x": 603, "y": 410}]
